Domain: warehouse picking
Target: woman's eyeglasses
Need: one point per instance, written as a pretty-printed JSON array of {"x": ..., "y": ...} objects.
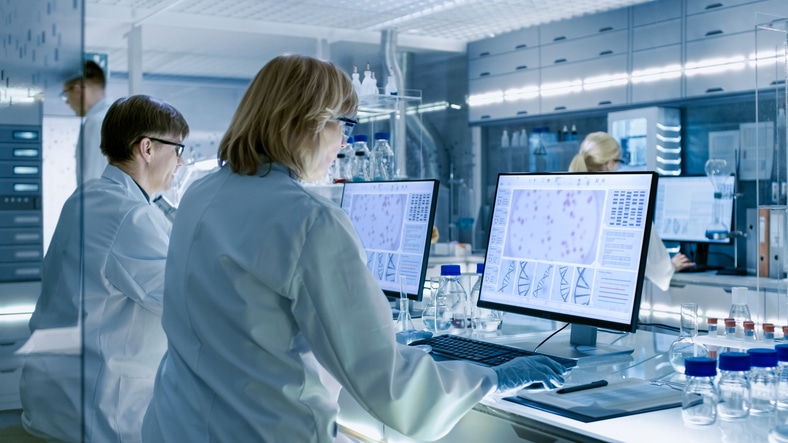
[{"x": 348, "y": 124}]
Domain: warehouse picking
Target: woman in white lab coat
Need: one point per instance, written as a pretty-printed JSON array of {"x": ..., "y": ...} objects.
[
  {"x": 601, "y": 152},
  {"x": 269, "y": 307},
  {"x": 104, "y": 275}
]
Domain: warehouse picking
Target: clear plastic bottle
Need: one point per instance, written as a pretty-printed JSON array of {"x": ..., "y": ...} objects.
[
  {"x": 730, "y": 328},
  {"x": 734, "y": 386},
  {"x": 749, "y": 330},
  {"x": 740, "y": 311},
  {"x": 700, "y": 397},
  {"x": 505, "y": 139},
  {"x": 369, "y": 85},
  {"x": 782, "y": 376},
  {"x": 356, "y": 81},
  {"x": 763, "y": 381},
  {"x": 382, "y": 158},
  {"x": 483, "y": 320},
  {"x": 361, "y": 159},
  {"x": 711, "y": 325},
  {"x": 768, "y": 332},
  {"x": 684, "y": 346}
]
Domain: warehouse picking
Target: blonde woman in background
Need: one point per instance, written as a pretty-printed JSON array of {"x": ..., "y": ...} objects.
[{"x": 600, "y": 152}]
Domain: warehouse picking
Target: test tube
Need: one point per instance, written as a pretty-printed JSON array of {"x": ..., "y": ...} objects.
[
  {"x": 749, "y": 330},
  {"x": 730, "y": 328}
]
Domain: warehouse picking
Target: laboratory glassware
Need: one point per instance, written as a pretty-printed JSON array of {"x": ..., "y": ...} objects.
[
  {"x": 734, "y": 386},
  {"x": 685, "y": 346},
  {"x": 700, "y": 396}
]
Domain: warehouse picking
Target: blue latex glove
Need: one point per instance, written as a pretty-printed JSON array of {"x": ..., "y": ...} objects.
[
  {"x": 521, "y": 371},
  {"x": 406, "y": 337}
]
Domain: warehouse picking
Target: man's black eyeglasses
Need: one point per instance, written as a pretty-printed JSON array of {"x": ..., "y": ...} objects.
[
  {"x": 347, "y": 126},
  {"x": 178, "y": 147}
]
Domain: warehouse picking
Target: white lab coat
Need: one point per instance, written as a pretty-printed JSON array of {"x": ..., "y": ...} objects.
[
  {"x": 659, "y": 267},
  {"x": 269, "y": 308},
  {"x": 90, "y": 161},
  {"x": 125, "y": 246}
]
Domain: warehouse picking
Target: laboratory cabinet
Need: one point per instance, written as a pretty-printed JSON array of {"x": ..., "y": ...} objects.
[
  {"x": 656, "y": 35},
  {"x": 706, "y": 6},
  {"x": 584, "y": 26},
  {"x": 508, "y": 42},
  {"x": 504, "y": 63},
  {"x": 587, "y": 96},
  {"x": 21, "y": 220},
  {"x": 656, "y": 87},
  {"x": 653, "y": 12},
  {"x": 732, "y": 20},
  {"x": 608, "y": 43}
]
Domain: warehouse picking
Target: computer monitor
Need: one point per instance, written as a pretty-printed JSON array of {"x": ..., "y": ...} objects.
[
  {"x": 394, "y": 221},
  {"x": 684, "y": 212},
  {"x": 570, "y": 247}
]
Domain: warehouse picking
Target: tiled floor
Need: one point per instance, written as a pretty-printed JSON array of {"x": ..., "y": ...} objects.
[{"x": 11, "y": 430}]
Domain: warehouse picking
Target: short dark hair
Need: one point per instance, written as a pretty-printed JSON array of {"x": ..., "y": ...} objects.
[
  {"x": 130, "y": 119},
  {"x": 91, "y": 74}
]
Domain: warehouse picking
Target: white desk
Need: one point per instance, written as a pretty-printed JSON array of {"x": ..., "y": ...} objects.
[{"x": 497, "y": 420}]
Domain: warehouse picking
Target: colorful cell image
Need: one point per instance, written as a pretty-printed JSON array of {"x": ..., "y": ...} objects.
[
  {"x": 378, "y": 220},
  {"x": 554, "y": 225}
]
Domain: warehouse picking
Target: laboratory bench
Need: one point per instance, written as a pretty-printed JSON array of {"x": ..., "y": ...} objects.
[{"x": 497, "y": 420}]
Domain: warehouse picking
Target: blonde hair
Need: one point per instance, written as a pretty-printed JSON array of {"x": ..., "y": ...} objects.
[
  {"x": 282, "y": 113},
  {"x": 597, "y": 149}
]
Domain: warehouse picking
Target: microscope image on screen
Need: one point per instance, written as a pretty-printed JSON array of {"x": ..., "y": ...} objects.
[
  {"x": 378, "y": 220},
  {"x": 562, "y": 224}
]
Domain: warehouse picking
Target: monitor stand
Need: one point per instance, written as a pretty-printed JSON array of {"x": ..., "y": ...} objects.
[{"x": 582, "y": 345}]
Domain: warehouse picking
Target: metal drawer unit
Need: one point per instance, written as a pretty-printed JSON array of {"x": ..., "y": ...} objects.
[{"x": 21, "y": 220}]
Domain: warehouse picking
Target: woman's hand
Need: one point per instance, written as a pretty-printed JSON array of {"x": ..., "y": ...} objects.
[{"x": 681, "y": 262}]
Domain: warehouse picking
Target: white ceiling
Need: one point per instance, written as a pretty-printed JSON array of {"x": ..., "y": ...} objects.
[{"x": 234, "y": 38}]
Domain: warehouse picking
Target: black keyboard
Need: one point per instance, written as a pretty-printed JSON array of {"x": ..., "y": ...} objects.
[{"x": 484, "y": 353}]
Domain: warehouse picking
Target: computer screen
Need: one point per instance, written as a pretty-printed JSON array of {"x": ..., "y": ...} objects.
[
  {"x": 394, "y": 221},
  {"x": 570, "y": 247},
  {"x": 684, "y": 209}
]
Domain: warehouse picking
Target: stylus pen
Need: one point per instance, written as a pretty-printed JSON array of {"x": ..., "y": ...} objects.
[{"x": 592, "y": 385}]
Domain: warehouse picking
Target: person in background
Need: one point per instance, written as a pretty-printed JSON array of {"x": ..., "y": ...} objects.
[
  {"x": 104, "y": 273},
  {"x": 601, "y": 152},
  {"x": 269, "y": 307},
  {"x": 85, "y": 95}
]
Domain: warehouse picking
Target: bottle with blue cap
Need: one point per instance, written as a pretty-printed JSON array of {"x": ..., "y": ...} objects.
[
  {"x": 382, "y": 158},
  {"x": 734, "y": 386},
  {"x": 763, "y": 381},
  {"x": 482, "y": 320},
  {"x": 782, "y": 376},
  {"x": 700, "y": 397},
  {"x": 452, "y": 291}
]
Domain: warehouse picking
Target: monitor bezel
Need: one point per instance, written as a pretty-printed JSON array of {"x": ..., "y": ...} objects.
[
  {"x": 731, "y": 220},
  {"x": 416, "y": 297},
  {"x": 632, "y": 325}
]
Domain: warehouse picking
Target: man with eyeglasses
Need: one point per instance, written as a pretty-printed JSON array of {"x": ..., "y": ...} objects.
[
  {"x": 104, "y": 274},
  {"x": 86, "y": 96}
]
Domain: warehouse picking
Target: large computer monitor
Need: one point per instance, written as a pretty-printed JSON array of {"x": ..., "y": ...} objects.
[
  {"x": 684, "y": 212},
  {"x": 570, "y": 247},
  {"x": 394, "y": 221}
]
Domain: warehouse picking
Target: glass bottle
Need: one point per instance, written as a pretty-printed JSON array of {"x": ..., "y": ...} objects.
[
  {"x": 437, "y": 316},
  {"x": 740, "y": 311},
  {"x": 684, "y": 346},
  {"x": 782, "y": 376},
  {"x": 711, "y": 324},
  {"x": 382, "y": 158},
  {"x": 360, "y": 159},
  {"x": 763, "y": 381},
  {"x": 768, "y": 332},
  {"x": 700, "y": 397},
  {"x": 730, "y": 328},
  {"x": 343, "y": 167},
  {"x": 452, "y": 291},
  {"x": 482, "y": 319},
  {"x": 749, "y": 330},
  {"x": 734, "y": 386}
]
